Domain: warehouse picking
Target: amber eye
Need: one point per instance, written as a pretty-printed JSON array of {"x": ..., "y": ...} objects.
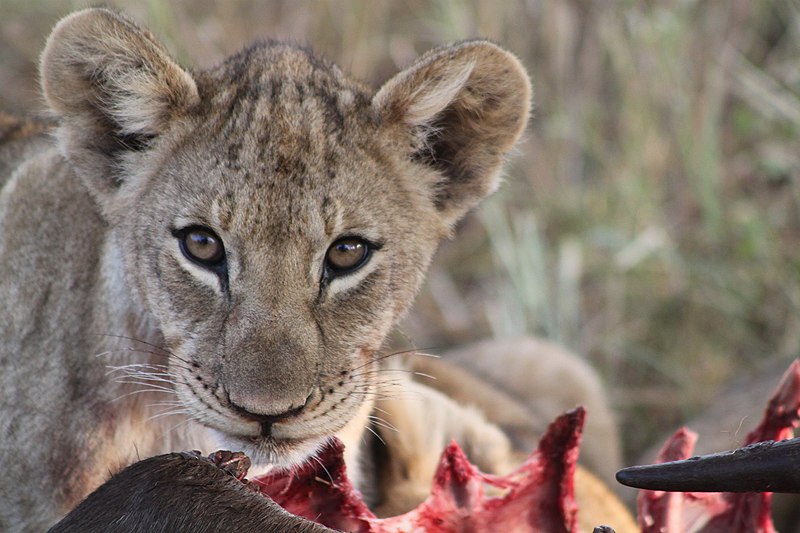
[
  {"x": 347, "y": 255},
  {"x": 202, "y": 246}
]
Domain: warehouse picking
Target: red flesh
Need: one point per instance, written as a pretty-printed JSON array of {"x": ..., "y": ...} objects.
[
  {"x": 539, "y": 494},
  {"x": 722, "y": 512}
]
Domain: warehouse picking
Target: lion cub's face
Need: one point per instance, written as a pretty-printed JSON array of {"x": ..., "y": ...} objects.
[
  {"x": 279, "y": 237},
  {"x": 274, "y": 217}
]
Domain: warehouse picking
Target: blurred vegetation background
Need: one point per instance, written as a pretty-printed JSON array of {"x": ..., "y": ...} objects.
[{"x": 651, "y": 218}]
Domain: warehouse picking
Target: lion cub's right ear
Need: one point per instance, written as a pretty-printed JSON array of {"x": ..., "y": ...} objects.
[
  {"x": 460, "y": 108},
  {"x": 114, "y": 88}
]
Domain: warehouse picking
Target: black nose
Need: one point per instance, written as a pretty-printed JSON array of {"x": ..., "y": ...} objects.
[{"x": 267, "y": 421}]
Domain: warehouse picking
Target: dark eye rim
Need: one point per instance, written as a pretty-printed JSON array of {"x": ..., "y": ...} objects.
[
  {"x": 216, "y": 264},
  {"x": 332, "y": 271}
]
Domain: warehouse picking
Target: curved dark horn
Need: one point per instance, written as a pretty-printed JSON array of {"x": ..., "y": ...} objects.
[{"x": 761, "y": 467}]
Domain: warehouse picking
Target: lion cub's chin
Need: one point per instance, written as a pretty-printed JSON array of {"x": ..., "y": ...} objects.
[{"x": 268, "y": 452}]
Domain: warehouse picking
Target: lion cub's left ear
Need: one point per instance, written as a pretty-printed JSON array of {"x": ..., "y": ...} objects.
[
  {"x": 114, "y": 87},
  {"x": 464, "y": 106}
]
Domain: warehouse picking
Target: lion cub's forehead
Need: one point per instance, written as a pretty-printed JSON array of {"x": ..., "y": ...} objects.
[
  {"x": 281, "y": 105},
  {"x": 289, "y": 139}
]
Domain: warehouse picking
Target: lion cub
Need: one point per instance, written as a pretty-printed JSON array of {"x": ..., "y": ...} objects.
[{"x": 213, "y": 258}]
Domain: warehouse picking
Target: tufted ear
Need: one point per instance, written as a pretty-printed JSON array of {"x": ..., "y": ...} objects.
[
  {"x": 464, "y": 106},
  {"x": 114, "y": 88}
]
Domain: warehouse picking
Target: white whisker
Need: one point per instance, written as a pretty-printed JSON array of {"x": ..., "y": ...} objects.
[
  {"x": 152, "y": 386},
  {"x": 323, "y": 467},
  {"x": 380, "y": 422},
  {"x": 140, "y": 391},
  {"x": 166, "y": 403},
  {"x": 376, "y": 434},
  {"x": 168, "y": 413}
]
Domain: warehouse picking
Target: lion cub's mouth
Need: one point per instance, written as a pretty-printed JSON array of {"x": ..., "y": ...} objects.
[
  {"x": 270, "y": 450},
  {"x": 285, "y": 443},
  {"x": 297, "y": 431}
]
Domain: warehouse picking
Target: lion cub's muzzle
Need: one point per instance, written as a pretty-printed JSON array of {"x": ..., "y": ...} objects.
[{"x": 268, "y": 420}]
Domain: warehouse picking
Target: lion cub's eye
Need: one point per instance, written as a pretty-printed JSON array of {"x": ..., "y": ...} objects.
[
  {"x": 346, "y": 255},
  {"x": 202, "y": 246}
]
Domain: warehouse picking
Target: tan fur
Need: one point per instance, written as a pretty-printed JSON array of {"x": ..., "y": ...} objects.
[
  {"x": 280, "y": 154},
  {"x": 419, "y": 424},
  {"x": 107, "y": 318},
  {"x": 19, "y": 139},
  {"x": 14, "y": 129},
  {"x": 496, "y": 424},
  {"x": 523, "y": 384}
]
